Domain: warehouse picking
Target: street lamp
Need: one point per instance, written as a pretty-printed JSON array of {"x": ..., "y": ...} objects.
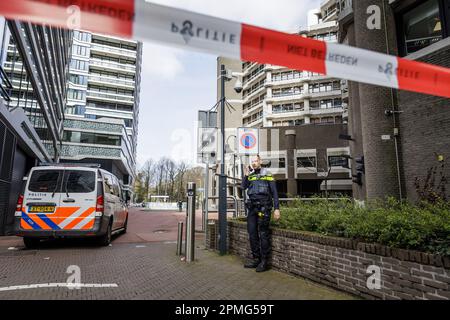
[{"x": 224, "y": 76}]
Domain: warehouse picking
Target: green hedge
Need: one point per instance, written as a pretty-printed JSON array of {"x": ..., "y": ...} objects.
[{"x": 392, "y": 223}]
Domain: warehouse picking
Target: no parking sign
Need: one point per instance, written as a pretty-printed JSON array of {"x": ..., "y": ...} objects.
[{"x": 248, "y": 141}]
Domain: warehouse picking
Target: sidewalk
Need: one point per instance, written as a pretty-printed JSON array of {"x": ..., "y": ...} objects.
[
  {"x": 142, "y": 265},
  {"x": 146, "y": 271}
]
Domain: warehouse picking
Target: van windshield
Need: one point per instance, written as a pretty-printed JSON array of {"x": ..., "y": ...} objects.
[
  {"x": 77, "y": 181},
  {"x": 44, "y": 180}
]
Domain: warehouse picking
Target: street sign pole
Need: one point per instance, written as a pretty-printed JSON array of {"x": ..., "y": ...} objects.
[{"x": 222, "y": 177}]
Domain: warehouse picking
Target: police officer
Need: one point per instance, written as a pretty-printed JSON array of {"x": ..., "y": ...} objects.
[{"x": 262, "y": 197}]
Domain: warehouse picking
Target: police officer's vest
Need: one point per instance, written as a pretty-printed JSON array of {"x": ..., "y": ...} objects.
[{"x": 259, "y": 184}]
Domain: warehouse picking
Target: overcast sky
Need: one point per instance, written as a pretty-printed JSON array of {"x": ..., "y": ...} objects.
[{"x": 176, "y": 84}]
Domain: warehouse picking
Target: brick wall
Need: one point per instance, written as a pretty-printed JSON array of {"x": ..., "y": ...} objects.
[
  {"x": 425, "y": 128},
  {"x": 342, "y": 263}
]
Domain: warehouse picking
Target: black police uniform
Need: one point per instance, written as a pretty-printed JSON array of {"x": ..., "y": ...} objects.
[{"x": 262, "y": 193}]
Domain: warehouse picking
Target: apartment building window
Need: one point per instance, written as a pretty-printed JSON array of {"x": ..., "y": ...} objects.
[
  {"x": 79, "y": 65},
  {"x": 423, "y": 25},
  {"x": 254, "y": 73},
  {"x": 80, "y": 50},
  {"x": 254, "y": 88},
  {"x": 287, "y": 75},
  {"x": 306, "y": 162},
  {"x": 325, "y": 104},
  {"x": 76, "y": 94},
  {"x": 77, "y": 110},
  {"x": 82, "y": 36},
  {"x": 287, "y": 107},
  {"x": 128, "y": 123},
  {"x": 325, "y": 87},
  {"x": 254, "y": 102},
  {"x": 330, "y": 36},
  {"x": 289, "y": 91},
  {"x": 111, "y": 59},
  {"x": 78, "y": 79},
  {"x": 114, "y": 44},
  {"x": 327, "y": 120},
  {"x": 337, "y": 161},
  {"x": 281, "y": 163},
  {"x": 111, "y": 90}
]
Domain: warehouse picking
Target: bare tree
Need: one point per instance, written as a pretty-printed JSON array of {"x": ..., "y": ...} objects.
[
  {"x": 181, "y": 172},
  {"x": 147, "y": 173}
]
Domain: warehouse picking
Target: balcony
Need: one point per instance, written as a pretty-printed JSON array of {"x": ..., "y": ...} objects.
[
  {"x": 109, "y": 96},
  {"x": 111, "y": 81},
  {"x": 254, "y": 93},
  {"x": 118, "y": 51},
  {"x": 287, "y": 97},
  {"x": 254, "y": 122},
  {"x": 113, "y": 65},
  {"x": 253, "y": 108},
  {"x": 323, "y": 94},
  {"x": 250, "y": 81},
  {"x": 325, "y": 111}
]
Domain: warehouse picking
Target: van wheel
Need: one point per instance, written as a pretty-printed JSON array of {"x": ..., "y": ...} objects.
[
  {"x": 31, "y": 243},
  {"x": 105, "y": 239}
]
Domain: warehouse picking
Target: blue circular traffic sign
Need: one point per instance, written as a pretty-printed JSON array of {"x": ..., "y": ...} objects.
[{"x": 248, "y": 140}]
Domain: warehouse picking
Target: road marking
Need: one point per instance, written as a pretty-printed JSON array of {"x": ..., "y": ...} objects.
[
  {"x": 59, "y": 285},
  {"x": 141, "y": 246}
]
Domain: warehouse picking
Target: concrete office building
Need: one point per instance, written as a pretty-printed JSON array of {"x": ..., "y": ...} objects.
[
  {"x": 101, "y": 123},
  {"x": 34, "y": 63},
  {"x": 403, "y": 136}
]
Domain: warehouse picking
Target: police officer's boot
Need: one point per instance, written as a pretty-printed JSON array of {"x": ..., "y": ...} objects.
[
  {"x": 262, "y": 266},
  {"x": 252, "y": 263}
]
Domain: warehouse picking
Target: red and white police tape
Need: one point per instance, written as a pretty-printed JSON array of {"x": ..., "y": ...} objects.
[{"x": 141, "y": 20}]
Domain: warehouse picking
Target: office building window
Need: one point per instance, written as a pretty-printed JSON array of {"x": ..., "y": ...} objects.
[
  {"x": 306, "y": 162},
  {"x": 422, "y": 26},
  {"x": 337, "y": 161},
  {"x": 91, "y": 138}
]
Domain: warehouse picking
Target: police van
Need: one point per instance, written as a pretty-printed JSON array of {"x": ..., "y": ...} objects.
[{"x": 65, "y": 200}]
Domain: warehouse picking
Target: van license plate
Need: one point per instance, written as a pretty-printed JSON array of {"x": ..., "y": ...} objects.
[{"x": 42, "y": 209}]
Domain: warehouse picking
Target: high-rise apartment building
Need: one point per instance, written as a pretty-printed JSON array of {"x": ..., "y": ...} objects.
[
  {"x": 278, "y": 97},
  {"x": 101, "y": 122},
  {"x": 34, "y": 64}
]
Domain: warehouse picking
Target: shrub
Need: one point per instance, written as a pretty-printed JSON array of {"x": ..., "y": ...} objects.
[{"x": 424, "y": 227}]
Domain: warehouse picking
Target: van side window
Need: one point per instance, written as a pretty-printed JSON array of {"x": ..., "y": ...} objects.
[
  {"x": 116, "y": 187},
  {"x": 108, "y": 187}
]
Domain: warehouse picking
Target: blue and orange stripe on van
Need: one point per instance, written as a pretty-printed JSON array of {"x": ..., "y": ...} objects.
[{"x": 41, "y": 221}]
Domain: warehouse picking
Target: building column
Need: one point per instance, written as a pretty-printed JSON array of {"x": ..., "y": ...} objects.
[
  {"x": 354, "y": 125},
  {"x": 290, "y": 158},
  {"x": 380, "y": 162}
]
